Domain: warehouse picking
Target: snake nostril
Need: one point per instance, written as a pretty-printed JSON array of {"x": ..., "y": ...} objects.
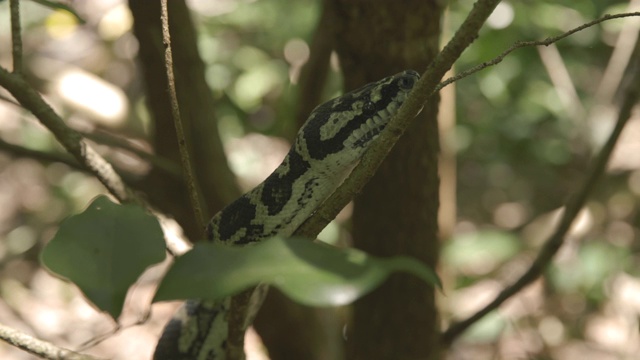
[{"x": 369, "y": 107}]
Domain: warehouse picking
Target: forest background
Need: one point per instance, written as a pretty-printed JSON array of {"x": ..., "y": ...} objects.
[{"x": 516, "y": 140}]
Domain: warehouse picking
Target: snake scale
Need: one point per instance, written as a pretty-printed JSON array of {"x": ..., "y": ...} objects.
[{"x": 326, "y": 149}]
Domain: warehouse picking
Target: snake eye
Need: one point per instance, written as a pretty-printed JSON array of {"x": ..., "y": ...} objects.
[
  {"x": 406, "y": 82},
  {"x": 368, "y": 107}
]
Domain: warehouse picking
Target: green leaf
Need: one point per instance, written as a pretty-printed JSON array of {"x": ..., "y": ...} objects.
[
  {"x": 309, "y": 273},
  {"x": 104, "y": 250}
]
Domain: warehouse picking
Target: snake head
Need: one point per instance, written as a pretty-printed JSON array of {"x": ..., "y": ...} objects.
[{"x": 342, "y": 129}]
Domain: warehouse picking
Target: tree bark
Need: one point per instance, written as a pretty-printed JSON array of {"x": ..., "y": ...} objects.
[
  {"x": 397, "y": 211},
  {"x": 288, "y": 329}
]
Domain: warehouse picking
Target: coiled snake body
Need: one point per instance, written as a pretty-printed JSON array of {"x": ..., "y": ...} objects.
[{"x": 327, "y": 147}]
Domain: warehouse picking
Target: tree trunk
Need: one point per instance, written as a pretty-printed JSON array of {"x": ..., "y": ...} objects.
[
  {"x": 397, "y": 211},
  {"x": 288, "y": 329}
]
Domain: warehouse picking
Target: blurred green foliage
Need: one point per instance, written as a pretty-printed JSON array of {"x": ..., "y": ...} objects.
[
  {"x": 511, "y": 116},
  {"x": 244, "y": 52},
  {"x": 518, "y": 141}
]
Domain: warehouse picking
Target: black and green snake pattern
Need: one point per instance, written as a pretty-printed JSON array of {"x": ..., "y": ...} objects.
[{"x": 327, "y": 147}]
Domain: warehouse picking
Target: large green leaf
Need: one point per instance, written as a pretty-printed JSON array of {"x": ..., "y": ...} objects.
[
  {"x": 309, "y": 273},
  {"x": 104, "y": 250}
]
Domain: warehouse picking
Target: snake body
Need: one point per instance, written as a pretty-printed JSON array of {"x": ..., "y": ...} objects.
[{"x": 327, "y": 147}]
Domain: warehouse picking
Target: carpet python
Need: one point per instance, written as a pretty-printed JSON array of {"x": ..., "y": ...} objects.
[{"x": 326, "y": 149}]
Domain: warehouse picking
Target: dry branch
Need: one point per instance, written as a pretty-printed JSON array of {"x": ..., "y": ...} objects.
[
  {"x": 185, "y": 158},
  {"x": 39, "y": 348}
]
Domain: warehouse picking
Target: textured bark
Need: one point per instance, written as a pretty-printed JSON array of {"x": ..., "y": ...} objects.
[
  {"x": 397, "y": 211},
  {"x": 196, "y": 107},
  {"x": 290, "y": 330},
  {"x": 293, "y": 331}
]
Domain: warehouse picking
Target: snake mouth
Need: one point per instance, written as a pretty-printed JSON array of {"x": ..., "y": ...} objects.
[
  {"x": 369, "y": 131},
  {"x": 372, "y": 127}
]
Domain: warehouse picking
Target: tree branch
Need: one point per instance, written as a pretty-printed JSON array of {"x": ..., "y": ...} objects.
[
  {"x": 44, "y": 156},
  {"x": 521, "y": 44},
  {"x": 70, "y": 139},
  {"x": 9, "y": 101},
  {"x": 51, "y": 157},
  {"x": 421, "y": 93},
  {"x": 39, "y": 348},
  {"x": 573, "y": 206},
  {"x": 192, "y": 183},
  {"x": 104, "y": 138}
]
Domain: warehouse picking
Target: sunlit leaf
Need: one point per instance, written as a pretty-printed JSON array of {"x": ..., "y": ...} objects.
[
  {"x": 309, "y": 273},
  {"x": 55, "y": 5},
  {"x": 104, "y": 250}
]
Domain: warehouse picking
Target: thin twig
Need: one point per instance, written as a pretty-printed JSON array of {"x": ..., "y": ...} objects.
[
  {"x": 70, "y": 139},
  {"x": 190, "y": 179},
  {"x": 10, "y": 101},
  {"x": 159, "y": 162},
  {"x": 39, "y": 348},
  {"x": 421, "y": 93},
  {"x": 119, "y": 328},
  {"x": 521, "y": 44},
  {"x": 43, "y": 156},
  {"x": 54, "y": 157},
  {"x": 105, "y": 138},
  {"x": 16, "y": 36},
  {"x": 572, "y": 208}
]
